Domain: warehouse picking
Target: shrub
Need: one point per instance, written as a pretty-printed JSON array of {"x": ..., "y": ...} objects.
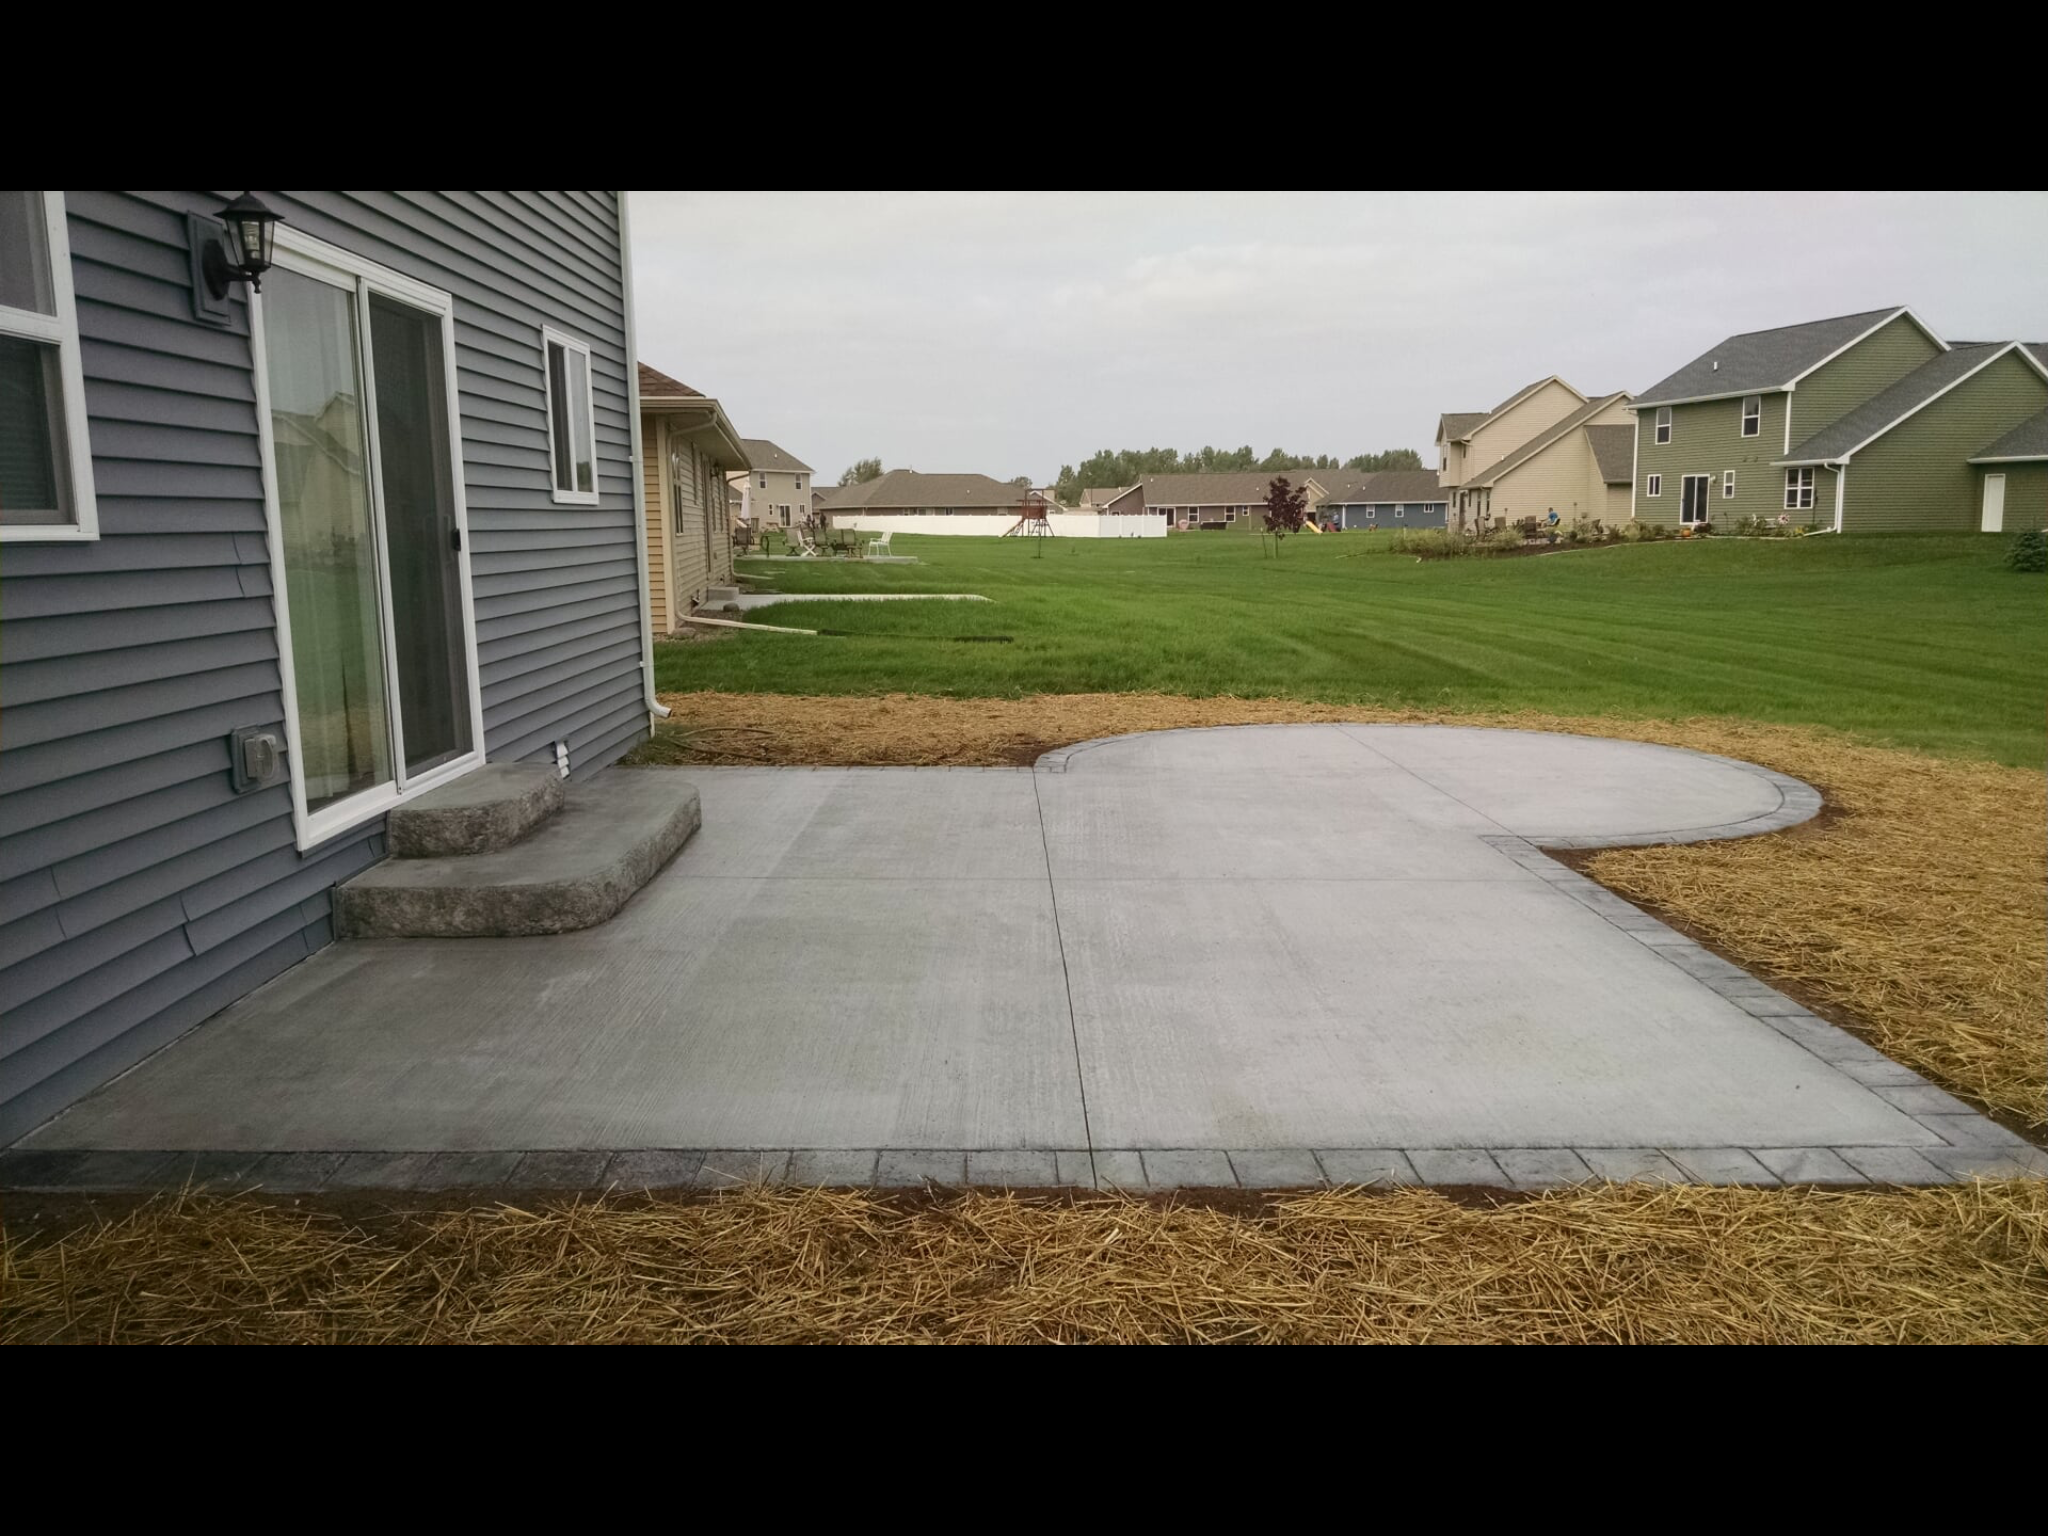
[
  {"x": 1504, "y": 539},
  {"x": 2029, "y": 551}
]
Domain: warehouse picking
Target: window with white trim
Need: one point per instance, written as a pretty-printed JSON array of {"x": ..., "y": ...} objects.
[
  {"x": 572, "y": 419},
  {"x": 1655, "y": 486},
  {"x": 1752, "y": 415},
  {"x": 1663, "y": 423},
  {"x": 1727, "y": 485},
  {"x": 1798, "y": 489},
  {"x": 1401, "y": 512},
  {"x": 45, "y": 454}
]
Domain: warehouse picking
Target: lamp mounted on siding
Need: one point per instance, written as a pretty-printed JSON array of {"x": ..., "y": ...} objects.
[{"x": 252, "y": 232}]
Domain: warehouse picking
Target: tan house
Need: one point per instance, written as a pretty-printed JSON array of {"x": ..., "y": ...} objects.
[
  {"x": 1106, "y": 499},
  {"x": 687, "y": 448},
  {"x": 1561, "y": 469},
  {"x": 1471, "y": 442},
  {"x": 1228, "y": 499},
  {"x": 775, "y": 492}
]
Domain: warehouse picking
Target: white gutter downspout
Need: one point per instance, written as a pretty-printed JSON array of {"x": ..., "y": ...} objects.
[
  {"x": 654, "y": 707},
  {"x": 1841, "y": 479}
]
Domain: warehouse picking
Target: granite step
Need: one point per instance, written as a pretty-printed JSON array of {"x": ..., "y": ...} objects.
[
  {"x": 613, "y": 834},
  {"x": 491, "y": 808}
]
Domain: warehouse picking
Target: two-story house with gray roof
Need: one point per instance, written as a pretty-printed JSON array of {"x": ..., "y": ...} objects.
[{"x": 1863, "y": 423}]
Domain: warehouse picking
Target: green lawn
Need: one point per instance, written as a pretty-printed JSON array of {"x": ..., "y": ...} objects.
[{"x": 1920, "y": 640}]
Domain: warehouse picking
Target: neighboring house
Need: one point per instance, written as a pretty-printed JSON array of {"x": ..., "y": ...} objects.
[
  {"x": 1224, "y": 500},
  {"x": 384, "y": 510},
  {"x": 1468, "y": 442},
  {"x": 2012, "y": 489},
  {"x": 1559, "y": 469},
  {"x": 907, "y": 493},
  {"x": 1392, "y": 498},
  {"x": 1862, "y": 423},
  {"x": 687, "y": 448},
  {"x": 775, "y": 491},
  {"x": 1113, "y": 500}
]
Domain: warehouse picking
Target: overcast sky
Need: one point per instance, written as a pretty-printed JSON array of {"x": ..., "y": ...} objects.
[{"x": 1010, "y": 334}]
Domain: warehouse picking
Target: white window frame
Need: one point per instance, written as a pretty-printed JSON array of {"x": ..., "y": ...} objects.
[
  {"x": 301, "y": 253},
  {"x": 1727, "y": 485},
  {"x": 60, "y": 331},
  {"x": 1401, "y": 514},
  {"x": 1663, "y": 424},
  {"x": 549, "y": 336},
  {"x": 1752, "y": 422},
  {"x": 1653, "y": 485},
  {"x": 1799, "y": 489}
]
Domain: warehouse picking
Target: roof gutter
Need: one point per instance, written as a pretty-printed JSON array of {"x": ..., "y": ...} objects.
[
  {"x": 715, "y": 421},
  {"x": 655, "y": 709}
]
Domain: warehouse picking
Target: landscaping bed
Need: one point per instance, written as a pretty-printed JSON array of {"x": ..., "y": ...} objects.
[{"x": 1610, "y": 1264}]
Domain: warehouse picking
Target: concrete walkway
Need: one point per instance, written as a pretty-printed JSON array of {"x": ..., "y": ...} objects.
[
  {"x": 1259, "y": 956},
  {"x": 751, "y": 600}
]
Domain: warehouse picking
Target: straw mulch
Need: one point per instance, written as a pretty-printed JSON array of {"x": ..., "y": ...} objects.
[
  {"x": 1915, "y": 912},
  {"x": 1966, "y": 1264}
]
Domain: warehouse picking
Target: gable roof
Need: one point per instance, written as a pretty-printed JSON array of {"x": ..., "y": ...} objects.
[
  {"x": 1755, "y": 361},
  {"x": 1100, "y": 498},
  {"x": 659, "y": 386},
  {"x": 767, "y": 456},
  {"x": 1507, "y": 463},
  {"x": 1389, "y": 486},
  {"x": 1614, "y": 451},
  {"x": 2028, "y": 440},
  {"x": 1887, "y": 408},
  {"x": 908, "y": 488},
  {"x": 1462, "y": 426}
]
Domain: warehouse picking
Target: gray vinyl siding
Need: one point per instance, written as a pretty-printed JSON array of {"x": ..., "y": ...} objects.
[
  {"x": 138, "y": 893},
  {"x": 1359, "y": 514}
]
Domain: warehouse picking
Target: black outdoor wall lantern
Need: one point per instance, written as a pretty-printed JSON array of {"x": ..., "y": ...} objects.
[{"x": 252, "y": 234}]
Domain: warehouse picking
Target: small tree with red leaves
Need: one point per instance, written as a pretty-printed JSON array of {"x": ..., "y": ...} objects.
[{"x": 1286, "y": 509}]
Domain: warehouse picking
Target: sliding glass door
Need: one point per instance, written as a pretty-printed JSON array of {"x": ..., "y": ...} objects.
[{"x": 380, "y": 669}]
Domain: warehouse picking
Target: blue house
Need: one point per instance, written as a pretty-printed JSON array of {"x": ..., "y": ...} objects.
[{"x": 1393, "y": 498}]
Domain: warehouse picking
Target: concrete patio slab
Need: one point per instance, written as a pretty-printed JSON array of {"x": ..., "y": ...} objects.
[{"x": 1257, "y": 956}]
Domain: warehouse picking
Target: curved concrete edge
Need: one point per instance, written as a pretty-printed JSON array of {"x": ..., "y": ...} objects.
[{"x": 1798, "y": 801}]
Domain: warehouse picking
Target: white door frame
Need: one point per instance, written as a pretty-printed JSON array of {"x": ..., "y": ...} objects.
[
  {"x": 1992, "y": 516},
  {"x": 301, "y": 253},
  {"x": 1705, "y": 502}
]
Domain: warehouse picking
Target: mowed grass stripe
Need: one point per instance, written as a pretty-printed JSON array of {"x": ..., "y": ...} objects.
[{"x": 1921, "y": 640}]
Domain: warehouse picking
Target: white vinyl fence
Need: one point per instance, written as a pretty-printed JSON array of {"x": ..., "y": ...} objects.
[{"x": 1064, "y": 525}]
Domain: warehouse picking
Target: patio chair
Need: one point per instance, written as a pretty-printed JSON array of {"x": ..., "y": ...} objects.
[
  {"x": 799, "y": 542},
  {"x": 879, "y": 544}
]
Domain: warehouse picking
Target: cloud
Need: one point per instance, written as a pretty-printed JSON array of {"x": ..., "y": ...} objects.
[{"x": 1009, "y": 334}]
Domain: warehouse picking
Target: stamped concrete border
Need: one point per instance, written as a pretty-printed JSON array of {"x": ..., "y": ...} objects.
[{"x": 1970, "y": 1145}]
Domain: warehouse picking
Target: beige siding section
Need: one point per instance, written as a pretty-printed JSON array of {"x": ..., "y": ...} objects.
[
  {"x": 769, "y": 491},
  {"x": 652, "y": 435},
  {"x": 1874, "y": 364},
  {"x": 1564, "y": 477},
  {"x": 1918, "y": 475},
  {"x": 1515, "y": 426}
]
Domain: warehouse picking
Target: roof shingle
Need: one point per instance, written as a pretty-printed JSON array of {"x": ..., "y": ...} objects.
[
  {"x": 2028, "y": 440},
  {"x": 1614, "y": 450},
  {"x": 907, "y": 488},
  {"x": 1760, "y": 360},
  {"x": 767, "y": 456},
  {"x": 1387, "y": 487},
  {"x": 659, "y": 386}
]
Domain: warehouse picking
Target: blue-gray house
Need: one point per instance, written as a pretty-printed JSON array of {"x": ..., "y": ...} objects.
[
  {"x": 274, "y": 562},
  {"x": 1392, "y": 498}
]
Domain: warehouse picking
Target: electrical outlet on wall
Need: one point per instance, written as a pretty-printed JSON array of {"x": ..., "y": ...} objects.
[{"x": 256, "y": 757}]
